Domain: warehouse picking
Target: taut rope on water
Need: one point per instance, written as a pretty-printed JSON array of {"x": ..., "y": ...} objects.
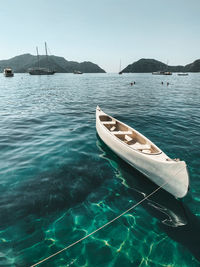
[
  {"x": 103, "y": 226},
  {"x": 78, "y": 241}
]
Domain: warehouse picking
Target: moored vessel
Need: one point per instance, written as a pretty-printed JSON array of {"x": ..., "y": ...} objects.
[
  {"x": 182, "y": 74},
  {"x": 77, "y": 72},
  {"x": 41, "y": 71},
  {"x": 8, "y": 72},
  {"x": 161, "y": 73},
  {"x": 142, "y": 154}
]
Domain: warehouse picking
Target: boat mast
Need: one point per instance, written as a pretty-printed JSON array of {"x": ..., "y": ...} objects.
[
  {"x": 167, "y": 65},
  {"x": 46, "y": 54},
  {"x": 120, "y": 72},
  {"x": 38, "y": 57}
]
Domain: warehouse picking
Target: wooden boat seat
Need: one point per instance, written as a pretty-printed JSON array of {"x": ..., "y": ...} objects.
[
  {"x": 139, "y": 146},
  {"x": 146, "y": 151},
  {"x": 128, "y": 138},
  {"x": 112, "y": 128},
  {"x": 109, "y": 122},
  {"x": 122, "y": 132}
]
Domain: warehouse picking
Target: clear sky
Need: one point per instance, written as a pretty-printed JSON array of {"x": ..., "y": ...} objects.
[{"x": 103, "y": 31}]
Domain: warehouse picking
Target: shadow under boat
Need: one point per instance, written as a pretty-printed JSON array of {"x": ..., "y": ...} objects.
[{"x": 174, "y": 217}]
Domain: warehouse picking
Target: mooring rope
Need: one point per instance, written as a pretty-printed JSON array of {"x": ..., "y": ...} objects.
[
  {"x": 103, "y": 226},
  {"x": 78, "y": 241}
]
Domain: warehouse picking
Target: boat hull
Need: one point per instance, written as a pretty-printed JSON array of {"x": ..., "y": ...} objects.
[
  {"x": 41, "y": 72},
  {"x": 162, "y": 73},
  {"x": 9, "y": 75},
  {"x": 172, "y": 176}
]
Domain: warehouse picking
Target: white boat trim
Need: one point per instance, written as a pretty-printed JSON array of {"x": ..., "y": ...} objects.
[{"x": 142, "y": 154}]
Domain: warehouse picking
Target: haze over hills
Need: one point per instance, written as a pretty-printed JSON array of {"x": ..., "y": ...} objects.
[
  {"x": 23, "y": 62},
  {"x": 151, "y": 65}
]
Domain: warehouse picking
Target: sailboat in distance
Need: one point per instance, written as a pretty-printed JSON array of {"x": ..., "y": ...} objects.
[
  {"x": 120, "y": 71},
  {"x": 41, "y": 71}
]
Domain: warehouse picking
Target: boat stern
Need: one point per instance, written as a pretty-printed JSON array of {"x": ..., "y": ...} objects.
[
  {"x": 178, "y": 183},
  {"x": 183, "y": 176}
]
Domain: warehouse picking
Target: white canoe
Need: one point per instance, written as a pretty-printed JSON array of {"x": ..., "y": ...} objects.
[{"x": 142, "y": 154}]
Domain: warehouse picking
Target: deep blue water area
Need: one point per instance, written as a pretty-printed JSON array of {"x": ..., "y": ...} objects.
[{"x": 59, "y": 181}]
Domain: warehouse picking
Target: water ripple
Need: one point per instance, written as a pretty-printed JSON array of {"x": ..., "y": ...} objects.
[{"x": 59, "y": 182}]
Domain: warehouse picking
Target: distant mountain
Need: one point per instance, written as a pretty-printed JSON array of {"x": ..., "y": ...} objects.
[
  {"x": 23, "y": 62},
  {"x": 150, "y": 65},
  {"x": 193, "y": 67}
]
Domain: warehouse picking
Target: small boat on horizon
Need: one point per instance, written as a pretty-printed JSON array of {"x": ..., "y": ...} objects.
[
  {"x": 8, "y": 72},
  {"x": 77, "y": 72},
  {"x": 142, "y": 154},
  {"x": 41, "y": 71},
  {"x": 162, "y": 73},
  {"x": 182, "y": 74}
]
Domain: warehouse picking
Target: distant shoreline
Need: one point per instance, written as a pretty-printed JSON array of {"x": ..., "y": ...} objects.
[{"x": 21, "y": 64}]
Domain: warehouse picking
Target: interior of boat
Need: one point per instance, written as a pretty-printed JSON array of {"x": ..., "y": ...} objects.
[{"x": 128, "y": 135}]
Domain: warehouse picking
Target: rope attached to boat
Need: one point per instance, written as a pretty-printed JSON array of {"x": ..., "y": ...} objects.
[{"x": 103, "y": 226}]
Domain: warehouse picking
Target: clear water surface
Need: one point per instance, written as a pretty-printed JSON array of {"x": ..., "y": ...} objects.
[{"x": 59, "y": 182}]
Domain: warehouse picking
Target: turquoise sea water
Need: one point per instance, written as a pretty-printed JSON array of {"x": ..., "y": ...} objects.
[{"x": 59, "y": 182}]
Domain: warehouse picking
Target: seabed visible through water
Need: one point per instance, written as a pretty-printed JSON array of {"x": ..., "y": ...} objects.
[{"x": 59, "y": 182}]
